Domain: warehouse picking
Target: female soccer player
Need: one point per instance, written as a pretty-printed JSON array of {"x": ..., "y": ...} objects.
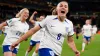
[
  {"x": 56, "y": 28},
  {"x": 87, "y": 33},
  {"x": 17, "y": 27},
  {"x": 35, "y": 40}
]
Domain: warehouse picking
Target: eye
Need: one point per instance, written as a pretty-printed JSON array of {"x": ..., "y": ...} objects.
[
  {"x": 66, "y": 6},
  {"x": 61, "y": 5}
]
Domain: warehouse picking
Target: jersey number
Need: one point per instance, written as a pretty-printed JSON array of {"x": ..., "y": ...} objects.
[
  {"x": 18, "y": 33},
  {"x": 59, "y": 36}
]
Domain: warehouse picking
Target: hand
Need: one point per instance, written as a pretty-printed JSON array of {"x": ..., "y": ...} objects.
[
  {"x": 26, "y": 39},
  {"x": 77, "y": 53},
  {"x": 13, "y": 45},
  {"x": 35, "y": 12}
]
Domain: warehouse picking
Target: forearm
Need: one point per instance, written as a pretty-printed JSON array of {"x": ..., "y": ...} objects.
[
  {"x": 27, "y": 35},
  {"x": 2, "y": 25},
  {"x": 72, "y": 45},
  {"x": 31, "y": 19}
]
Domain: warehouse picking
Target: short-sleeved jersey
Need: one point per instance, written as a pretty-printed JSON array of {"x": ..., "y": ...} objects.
[
  {"x": 87, "y": 30},
  {"x": 55, "y": 31},
  {"x": 6, "y": 28},
  {"x": 94, "y": 30},
  {"x": 38, "y": 35},
  {"x": 16, "y": 29}
]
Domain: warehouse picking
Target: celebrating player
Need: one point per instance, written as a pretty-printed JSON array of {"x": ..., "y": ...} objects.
[
  {"x": 17, "y": 27},
  {"x": 56, "y": 28},
  {"x": 87, "y": 33}
]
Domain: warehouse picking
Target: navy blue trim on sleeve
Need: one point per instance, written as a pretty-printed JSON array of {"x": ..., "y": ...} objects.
[
  {"x": 7, "y": 23},
  {"x": 40, "y": 26},
  {"x": 55, "y": 18}
]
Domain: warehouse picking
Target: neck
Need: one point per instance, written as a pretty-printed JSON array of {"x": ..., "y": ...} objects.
[
  {"x": 61, "y": 18},
  {"x": 87, "y": 24},
  {"x": 22, "y": 20}
]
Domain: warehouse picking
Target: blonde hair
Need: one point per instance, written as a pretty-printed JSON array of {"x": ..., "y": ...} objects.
[
  {"x": 20, "y": 12},
  {"x": 54, "y": 12}
]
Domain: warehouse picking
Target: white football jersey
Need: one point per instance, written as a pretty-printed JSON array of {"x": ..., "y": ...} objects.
[
  {"x": 38, "y": 35},
  {"x": 55, "y": 31},
  {"x": 87, "y": 30},
  {"x": 16, "y": 29},
  {"x": 94, "y": 30},
  {"x": 6, "y": 28}
]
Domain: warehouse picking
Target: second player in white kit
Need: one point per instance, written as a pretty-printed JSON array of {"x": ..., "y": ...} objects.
[
  {"x": 17, "y": 27},
  {"x": 87, "y": 33}
]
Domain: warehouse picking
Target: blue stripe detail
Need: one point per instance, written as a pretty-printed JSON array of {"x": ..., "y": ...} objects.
[
  {"x": 55, "y": 18},
  {"x": 66, "y": 21},
  {"x": 7, "y": 23},
  {"x": 40, "y": 26}
]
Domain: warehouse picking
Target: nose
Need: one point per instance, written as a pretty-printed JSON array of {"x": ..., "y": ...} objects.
[{"x": 63, "y": 7}]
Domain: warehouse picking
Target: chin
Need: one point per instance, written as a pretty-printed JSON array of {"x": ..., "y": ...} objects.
[
  {"x": 62, "y": 15},
  {"x": 25, "y": 18}
]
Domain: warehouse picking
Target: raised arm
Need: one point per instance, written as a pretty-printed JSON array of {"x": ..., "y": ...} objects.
[
  {"x": 72, "y": 45},
  {"x": 31, "y": 18},
  {"x": 2, "y": 25}
]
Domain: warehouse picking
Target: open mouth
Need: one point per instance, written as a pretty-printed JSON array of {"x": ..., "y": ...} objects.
[{"x": 63, "y": 12}]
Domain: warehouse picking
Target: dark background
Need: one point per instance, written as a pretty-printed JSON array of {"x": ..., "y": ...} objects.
[{"x": 79, "y": 10}]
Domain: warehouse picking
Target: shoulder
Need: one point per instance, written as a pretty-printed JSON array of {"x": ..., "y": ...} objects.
[
  {"x": 37, "y": 22},
  {"x": 51, "y": 17},
  {"x": 15, "y": 19},
  {"x": 84, "y": 26},
  {"x": 90, "y": 25},
  {"x": 12, "y": 20},
  {"x": 26, "y": 23},
  {"x": 69, "y": 22}
]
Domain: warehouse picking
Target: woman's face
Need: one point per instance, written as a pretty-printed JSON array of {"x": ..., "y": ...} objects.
[
  {"x": 25, "y": 14},
  {"x": 62, "y": 9},
  {"x": 88, "y": 21}
]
